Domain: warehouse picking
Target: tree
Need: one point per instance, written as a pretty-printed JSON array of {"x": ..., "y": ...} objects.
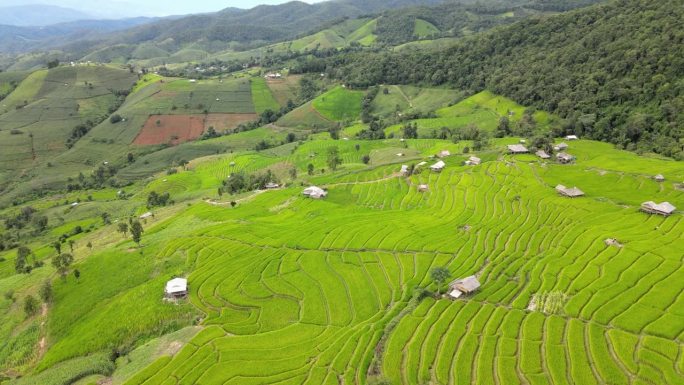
[
  {"x": 77, "y": 274},
  {"x": 290, "y": 137},
  {"x": 233, "y": 204},
  {"x": 310, "y": 169},
  {"x": 62, "y": 262},
  {"x": 130, "y": 157},
  {"x": 365, "y": 159},
  {"x": 136, "y": 232},
  {"x": 40, "y": 223},
  {"x": 105, "y": 218},
  {"x": 22, "y": 259},
  {"x": 334, "y": 159},
  {"x": 71, "y": 245},
  {"x": 123, "y": 228},
  {"x": 90, "y": 246},
  {"x": 293, "y": 173},
  {"x": 439, "y": 275},
  {"x": 114, "y": 119},
  {"x": 58, "y": 246},
  {"x": 45, "y": 292},
  {"x": 504, "y": 128},
  {"x": 31, "y": 306},
  {"x": 410, "y": 130},
  {"x": 53, "y": 64}
]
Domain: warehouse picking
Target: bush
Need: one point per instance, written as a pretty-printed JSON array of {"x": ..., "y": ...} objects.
[{"x": 114, "y": 119}]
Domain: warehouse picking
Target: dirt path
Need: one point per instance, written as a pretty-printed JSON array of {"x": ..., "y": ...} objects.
[
  {"x": 215, "y": 203},
  {"x": 401, "y": 92},
  {"x": 392, "y": 176},
  {"x": 42, "y": 343}
]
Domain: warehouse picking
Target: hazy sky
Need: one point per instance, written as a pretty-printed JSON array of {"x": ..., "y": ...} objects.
[{"x": 118, "y": 8}]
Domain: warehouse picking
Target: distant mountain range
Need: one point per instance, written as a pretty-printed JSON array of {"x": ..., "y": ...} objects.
[
  {"x": 39, "y": 15},
  {"x": 264, "y": 23}
]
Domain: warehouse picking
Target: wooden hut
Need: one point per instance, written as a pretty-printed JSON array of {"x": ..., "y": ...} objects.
[
  {"x": 176, "y": 288},
  {"x": 543, "y": 154},
  {"x": 473, "y": 161},
  {"x": 565, "y": 158},
  {"x": 569, "y": 192},
  {"x": 659, "y": 178},
  {"x": 665, "y": 208},
  {"x": 315, "y": 192},
  {"x": 462, "y": 286},
  {"x": 517, "y": 149},
  {"x": 438, "y": 167}
]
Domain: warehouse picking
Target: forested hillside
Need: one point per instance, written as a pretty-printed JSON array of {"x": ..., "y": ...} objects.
[{"x": 614, "y": 72}]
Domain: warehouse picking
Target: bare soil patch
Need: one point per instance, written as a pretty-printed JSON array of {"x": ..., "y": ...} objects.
[
  {"x": 227, "y": 122},
  {"x": 170, "y": 129}
]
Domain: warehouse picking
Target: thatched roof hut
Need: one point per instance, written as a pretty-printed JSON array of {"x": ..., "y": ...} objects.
[
  {"x": 315, "y": 192},
  {"x": 465, "y": 285},
  {"x": 665, "y": 208},
  {"x": 543, "y": 154},
  {"x": 437, "y": 167},
  {"x": 569, "y": 192},
  {"x": 517, "y": 149}
]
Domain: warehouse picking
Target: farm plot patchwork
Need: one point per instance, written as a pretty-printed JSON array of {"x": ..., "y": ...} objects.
[{"x": 308, "y": 292}]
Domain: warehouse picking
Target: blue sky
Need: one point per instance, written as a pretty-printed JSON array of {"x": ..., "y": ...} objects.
[{"x": 119, "y": 8}]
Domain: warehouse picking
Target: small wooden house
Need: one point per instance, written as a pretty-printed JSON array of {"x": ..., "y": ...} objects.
[
  {"x": 438, "y": 167},
  {"x": 176, "y": 288},
  {"x": 423, "y": 188},
  {"x": 404, "y": 170},
  {"x": 659, "y": 178},
  {"x": 561, "y": 146},
  {"x": 147, "y": 215},
  {"x": 473, "y": 161},
  {"x": 315, "y": 192},
  {"x": 543, "y": 154},
  {"x": 444, "y": 153},
  {"x": 517, "y": 149},
  {"x": 665, "y": 208},
  {"x": 571, "y": 137},
  {"x": 462, "y": 286},
  {"x": 564, "y": 157},
  {"x": 569, "y": 192},
  {"x": 272, "y": 186}
]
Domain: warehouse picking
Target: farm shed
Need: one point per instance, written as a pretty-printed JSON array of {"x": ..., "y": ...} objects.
[
  {"x": 271, "y": 186},
  {"x": 564, "y": 157},
  {"x": 542, "y": 154},
  {"x": 473, "y": 161},
  {"x": 438, "y": 167},
  {"x": 444, "y": 153},
  {"x": 562, "y": 146},
  {"x": 423, "y": 188},
  {"x": 569, "y": 192},
  {"x": 462, "y": 286},
  {"x": 315, "y": 192},
  {"x": 176, "y": 288},
  {"x": 571, "y": 137},
  {"x": 659, "y": 178},
  {"x": 404, "y": 170},
  {"x": 665, "y": 208},
  {"x": 147, "y": 215},
  {"x": 517, "y": 149}
]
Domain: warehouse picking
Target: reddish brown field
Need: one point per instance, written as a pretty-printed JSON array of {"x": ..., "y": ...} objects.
[
  {"x": 170, "y": 129},
  {"x": 225, "y": 122}
]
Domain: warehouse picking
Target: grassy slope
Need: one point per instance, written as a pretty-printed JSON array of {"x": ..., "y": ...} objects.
[
  {"x": 339, "y": 104},
  {"x": 483, "y": 109},
  {"x": 424, "y": 28},
  {"x": 262, "y": 97}
]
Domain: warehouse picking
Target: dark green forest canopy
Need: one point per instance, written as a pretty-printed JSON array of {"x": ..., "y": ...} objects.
[{"x": 615, "y": 72}]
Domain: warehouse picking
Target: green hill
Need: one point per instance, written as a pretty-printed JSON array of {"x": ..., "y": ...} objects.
[{"x": 632, "y": 105}]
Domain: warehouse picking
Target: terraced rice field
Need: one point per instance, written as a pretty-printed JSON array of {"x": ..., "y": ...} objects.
[{"x": 297, "y": 291}]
